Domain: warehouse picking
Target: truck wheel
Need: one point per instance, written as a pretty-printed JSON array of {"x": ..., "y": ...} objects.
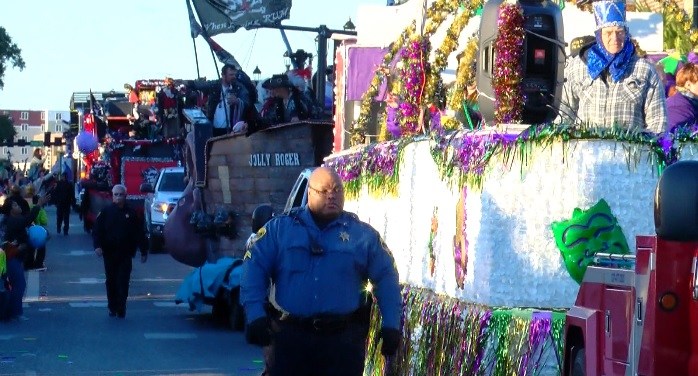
[
  {"x": 236, "y": 314},
  {"x": 578, "y": 366}
]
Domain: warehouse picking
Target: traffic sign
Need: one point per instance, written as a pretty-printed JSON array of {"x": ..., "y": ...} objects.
[{"x": 36, "y": 143}]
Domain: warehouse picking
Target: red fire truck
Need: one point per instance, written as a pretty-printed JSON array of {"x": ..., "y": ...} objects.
[{"x": 638, "y": 314}]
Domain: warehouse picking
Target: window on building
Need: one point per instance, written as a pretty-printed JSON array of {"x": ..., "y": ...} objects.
[
  {"x": 24, "y": 116},
  {"x": 43, "y": 127},
  {"x": 4, "y": 150},
  {"x": 58, "y": 128},
  {"x": 58, "y": 116},
  {"x": 25, "y": 127},
  {"x": 24, "y": 151},
  {"x": 43, "y": 115}
]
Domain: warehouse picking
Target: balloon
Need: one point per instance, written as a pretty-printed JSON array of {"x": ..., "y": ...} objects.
[
  {"x": 586, "y": 233},
  {"x": 37, "y": 236},
  {"x": 87, "y": 142}
]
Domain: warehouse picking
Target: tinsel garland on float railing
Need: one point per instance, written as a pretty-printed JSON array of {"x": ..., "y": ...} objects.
[
  {"x": 507, "y": 73},
  {"x": 435, "y": 15},
  {"x": 376, "y": 167},
  {"x": 358, "y": 130},
  {"x": 462, "y": 157},
  {"x": 408, "y": 119},
  {"x": 448, "y": 46},
  {"x": 446, "y": 336},
  {"x": 465, "y": 74}
]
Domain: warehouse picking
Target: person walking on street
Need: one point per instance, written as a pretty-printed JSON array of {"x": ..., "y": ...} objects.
[
  {"x": 319, "y": 259},
  {"x": 64, "y": 196},
  {"x": 117, "y": 233}
]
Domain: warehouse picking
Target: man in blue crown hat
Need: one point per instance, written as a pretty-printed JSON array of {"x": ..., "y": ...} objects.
[{"x": 608, "y": 84}]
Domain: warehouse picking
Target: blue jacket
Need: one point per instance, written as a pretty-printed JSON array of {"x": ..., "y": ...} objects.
[
  {"x": 330, "y": 279},
  {"x": 682, "y": 109}
]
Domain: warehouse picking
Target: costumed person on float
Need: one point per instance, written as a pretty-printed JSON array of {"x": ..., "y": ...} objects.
[
  {"x": 169, "y": 109},
  {"x": 608, "y": 84},
  {"x": 284, "y": 105},
  {"x": 36, "y": 164},
  {"x": 230, "y": 104}
]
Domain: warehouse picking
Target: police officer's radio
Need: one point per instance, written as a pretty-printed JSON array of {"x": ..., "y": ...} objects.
[{"x": 543, "y": 61}]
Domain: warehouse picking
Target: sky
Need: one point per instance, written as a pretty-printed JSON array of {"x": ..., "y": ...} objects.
[{"x": 78, "y": 45}]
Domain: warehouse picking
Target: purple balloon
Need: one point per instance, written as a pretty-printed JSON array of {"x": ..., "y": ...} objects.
[{"x": 87, "y": 142}]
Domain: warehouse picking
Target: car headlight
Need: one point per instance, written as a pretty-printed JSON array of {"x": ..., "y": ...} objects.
[{"x": 160, "y": 207}]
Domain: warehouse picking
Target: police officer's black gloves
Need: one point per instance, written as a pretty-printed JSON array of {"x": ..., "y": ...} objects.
[
  {"x": 257, "y": 332},
  {"x": 391, "y": 341}
]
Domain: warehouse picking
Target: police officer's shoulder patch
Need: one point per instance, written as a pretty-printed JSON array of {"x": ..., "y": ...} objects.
[
  {"x": 248, "y": 255},
  {"x": 260, "y": 233}
]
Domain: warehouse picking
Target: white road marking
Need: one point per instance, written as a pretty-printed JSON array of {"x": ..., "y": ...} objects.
[
  {"x": 169, "y": 335},
  {"x": 156, "y": 280},
  {"x": 88, "y": 304},
  {"x": 32, "y": 292},
  {"x": 89, "y": 281},
  {"x": 80, "y": 253}
]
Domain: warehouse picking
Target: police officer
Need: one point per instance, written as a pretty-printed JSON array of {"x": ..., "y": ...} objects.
[
  {"x": 117, "y": 232},
  {"x": 319, "y": 259}
]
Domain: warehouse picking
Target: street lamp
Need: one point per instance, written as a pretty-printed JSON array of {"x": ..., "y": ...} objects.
[
  {"x": 256, "y": 74},
  {"x": 287, "y": 61},
  {"x": 349, "y": 26}
]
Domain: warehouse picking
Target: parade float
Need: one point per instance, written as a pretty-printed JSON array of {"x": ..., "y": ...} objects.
[
  {"x": 491, "y": 226},
  {"x": 122, "y": 142}
]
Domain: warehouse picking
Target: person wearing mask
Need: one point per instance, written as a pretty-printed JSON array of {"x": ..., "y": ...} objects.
[
  {"x": 682, "y": 107},
  {"x": 64, "y": 196},
  {"x": 608, "y": 84},
  {"x": 319, "y": 259},
  {"x": 118, "y": 231}
]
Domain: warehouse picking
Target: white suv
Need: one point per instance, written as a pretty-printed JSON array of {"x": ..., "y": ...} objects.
[{"x": 160, "y": 203}]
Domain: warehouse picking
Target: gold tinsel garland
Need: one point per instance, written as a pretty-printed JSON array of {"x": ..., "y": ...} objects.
[
  {"x": 435, "y": 16},
  {"x": 449, "y": 45},
  {"x": 464, "y": 75},
  {"x": 358, "y": 131},
  {"x": 674, "y": 13}
]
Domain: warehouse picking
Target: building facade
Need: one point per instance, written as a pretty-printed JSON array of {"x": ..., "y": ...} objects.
[{"x": 30, "y": 125}]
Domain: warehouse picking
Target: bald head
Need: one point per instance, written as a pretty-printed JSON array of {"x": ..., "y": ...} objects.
[{"x": 325, "y": 194}]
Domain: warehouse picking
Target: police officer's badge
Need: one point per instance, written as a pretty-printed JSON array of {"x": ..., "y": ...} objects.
[
  {"x": 344, "y": 236},
  {"x": 261, "y": 232}
]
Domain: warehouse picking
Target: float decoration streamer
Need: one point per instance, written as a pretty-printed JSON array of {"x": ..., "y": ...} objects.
[
  {"x": 506, "y": 79},
  {"x": 446, "y": 336}
]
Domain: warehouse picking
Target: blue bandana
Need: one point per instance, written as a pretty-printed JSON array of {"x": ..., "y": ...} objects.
[{"x": 599, "y": 59}]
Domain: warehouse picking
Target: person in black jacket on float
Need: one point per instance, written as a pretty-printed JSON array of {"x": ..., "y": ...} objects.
[{"x": 117, "y": 233}]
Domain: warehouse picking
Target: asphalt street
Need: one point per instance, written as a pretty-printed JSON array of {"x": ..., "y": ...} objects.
[{"x": 67, "y": 330}]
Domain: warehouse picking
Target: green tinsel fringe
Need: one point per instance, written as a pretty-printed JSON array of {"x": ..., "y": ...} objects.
[{"x": 446, "y": 336}]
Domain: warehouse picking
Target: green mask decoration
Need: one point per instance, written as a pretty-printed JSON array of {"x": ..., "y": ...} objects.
[{"x": 586, "y": 233}]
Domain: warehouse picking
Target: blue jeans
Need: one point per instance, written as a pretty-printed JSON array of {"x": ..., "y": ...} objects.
[{"x": 18, "y": 283}]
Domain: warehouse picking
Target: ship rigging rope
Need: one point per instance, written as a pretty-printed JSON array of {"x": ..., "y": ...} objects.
[{"x": 249, "y": 52}]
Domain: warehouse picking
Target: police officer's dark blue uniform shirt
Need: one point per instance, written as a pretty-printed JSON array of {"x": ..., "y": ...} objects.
[{"x": 320, "y": 271}]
